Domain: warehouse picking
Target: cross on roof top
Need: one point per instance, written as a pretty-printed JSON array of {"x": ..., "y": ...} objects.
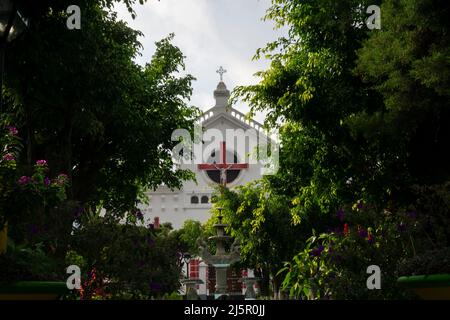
[{"x": 221, "y": 71}]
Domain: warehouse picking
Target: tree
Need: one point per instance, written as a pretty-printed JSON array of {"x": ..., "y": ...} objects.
[
  {"x": 407, "y": 62},
  {"x": 82, "y": 103},
  {"x": 345, "y": 134},
  {"x": 310, "y": 92},
  {"x": 260, "y": 220},
  {"x": 188, "y": 235},
  {"x": 361, "y": 113}
]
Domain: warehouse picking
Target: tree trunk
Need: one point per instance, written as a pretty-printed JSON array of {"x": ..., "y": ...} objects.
[
  {"x": 264, "y": 284},
  {"x": 276, "y": 281}
]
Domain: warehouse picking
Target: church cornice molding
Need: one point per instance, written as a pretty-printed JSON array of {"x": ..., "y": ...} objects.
[{"x": 231, "y": 114}]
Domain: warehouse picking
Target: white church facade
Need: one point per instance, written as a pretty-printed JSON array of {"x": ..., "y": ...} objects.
[{"x": 236, "y": 166}]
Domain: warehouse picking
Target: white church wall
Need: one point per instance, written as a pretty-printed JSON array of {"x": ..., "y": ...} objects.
[{"x": 175, "y": 206}]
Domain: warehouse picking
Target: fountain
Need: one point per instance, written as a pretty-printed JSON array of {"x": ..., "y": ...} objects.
[
  {"x": 191, "y": 288},
  {"x": 221, "y": 260},
  {"x": 190, "y": 283}
]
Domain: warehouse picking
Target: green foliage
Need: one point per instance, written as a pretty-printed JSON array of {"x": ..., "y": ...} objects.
[
  {"x": 362, "y": 115},
  {"x": 333, "y": 265},
  {"x": 408, "y": 63},
  {"x": 188, "y": 235},
  {"x": 431, "y": 262},
  {"x": 10, "y": 147},
  {"x": 109, "y": 123},
  {"x": 398, "y": 240},
  {"x": 172, "y": 296},
  {"x": 126, "y": 260},
  {"x": 22, "y": 263},
  {"x": 311, "y": 270},
  {"x": 73, "y": 258},
  {"x": 261, "y": 221},
  {"x": 81, "y": 102}
]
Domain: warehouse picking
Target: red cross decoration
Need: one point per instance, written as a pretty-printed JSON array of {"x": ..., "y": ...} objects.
[{"x": 223, "y": 166}]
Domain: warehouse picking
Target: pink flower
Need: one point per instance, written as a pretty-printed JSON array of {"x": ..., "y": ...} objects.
[
  {"x": 8, "y": 157},
  {"x": 13, "y": 130},
  {"x": 41, "y": 163},
  {"x": 23, "y": 180}
]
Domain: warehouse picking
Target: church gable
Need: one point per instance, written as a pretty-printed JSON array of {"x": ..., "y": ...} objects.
[
  {"x": 227, "y": 161},
  {"x": 223, "y": 116},
  {"x": 225, "y": 120}
]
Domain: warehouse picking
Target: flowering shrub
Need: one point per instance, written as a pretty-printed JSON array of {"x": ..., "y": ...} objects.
[
  {"x": 124, "y": 260},
  {"x": 27, "y": 195},
  {"x": 309, "y": 274},
  {"x": 334, "y": 264},
  {"x": 32, "y": 196},
  {"x": 40, "y": 187},
  {"x": 10, "y": 147}
]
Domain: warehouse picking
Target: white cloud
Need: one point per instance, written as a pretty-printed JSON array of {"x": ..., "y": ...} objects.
[{"x": 210, "y": 33}]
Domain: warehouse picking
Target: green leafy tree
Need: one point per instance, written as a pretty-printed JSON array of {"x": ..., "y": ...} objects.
[
  {"x": 81, "y": 102},
  {"x": 361, "y": 115},
  {"x": 188, "y": 235},
  {"x": 309, "y": 92},
  {"x": 408, "y": 63},
  {"x": 260, "y": 220}
]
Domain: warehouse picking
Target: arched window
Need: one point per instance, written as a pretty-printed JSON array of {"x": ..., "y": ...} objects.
[
  {"x": 205, "y": 199},
  {"x": 194, "y": 199}
]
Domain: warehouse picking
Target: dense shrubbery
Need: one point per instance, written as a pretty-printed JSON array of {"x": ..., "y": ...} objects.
[
  {"x": 26, "y": 206},
  {"x": 33, "y": 263},
  {"x": 435, "y": 261},
  {"x": 105, "y": 135},
  {"x": 125, "y": 261},
  {"x": 362, "y": 116},
  {"x": 334, "y": 264}
]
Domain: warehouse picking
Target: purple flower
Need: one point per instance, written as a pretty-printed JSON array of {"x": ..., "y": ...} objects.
[
  {"x": 330, "y": 248},
  {"x": 340, "y": 214},
  {"x": 412, "y": 214},
  {"x": 78, "y": 211},
  {"x": 8, "y": 157},
  {"x": 12, "y": 130},
  {"x": 41, "y": 163},
  {"x": 317, "y": 251},
  {"x": 362, "y": 233},
  {"x": 23, "y": 180},
  {"x": 360, "y": 205},
  {"x": 33, "y": 229},
  {"x": 155, "y": 286},
  {"x": 47, "y": 181}
]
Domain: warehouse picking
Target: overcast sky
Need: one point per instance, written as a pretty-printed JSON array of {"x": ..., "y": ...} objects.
[{"x": 210, "y": 33}]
